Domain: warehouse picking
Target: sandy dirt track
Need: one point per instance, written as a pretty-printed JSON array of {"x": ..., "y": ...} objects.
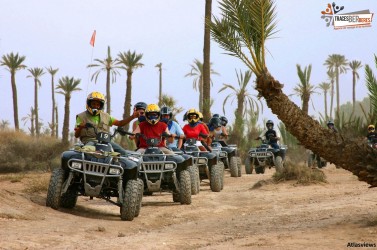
[{"x": 274, "y": 216}]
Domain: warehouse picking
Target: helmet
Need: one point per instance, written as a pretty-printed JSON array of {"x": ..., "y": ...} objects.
[
  {"x": 371, "y": 127},
  {"x": 185, "y": 117},
  {"x": 166, "y": 111},
  {"x": 269, "y": 122},
  {"x": 194, "y": 112},
  {"x": 330, "y": 123},
  {"x": 224, "y": 121},
  {"x": 215, "y": 122},
  {"x": 95, "y": 96},
  {"x": 140, "y": 105},
  {"x": 152, "y": 108},
  {"x": 216, "y": 115},
  {"x": 200, "y": 116}
]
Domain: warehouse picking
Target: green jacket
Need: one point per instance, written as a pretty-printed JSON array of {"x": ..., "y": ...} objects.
[{"x": 88, "y": 134}]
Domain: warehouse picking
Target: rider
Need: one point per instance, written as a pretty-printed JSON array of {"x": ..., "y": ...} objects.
[
  {"x": 140, "y": 108},
  {"x": 215, "y": 128},
  {"x": 194, "y": 128},
  {"x": 224, "y": 122},
  {"x": 331, "y": 126},
  {"x": 273, "y": 136},
  {"x": 101, "y": 120},
  {"x": 372, "y": 135},
  {"x": 152, "y": 128},
  {"x": 174, "y": 129}
]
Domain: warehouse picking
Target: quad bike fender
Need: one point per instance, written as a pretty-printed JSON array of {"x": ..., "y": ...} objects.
[{"x": 66, "y": 156}]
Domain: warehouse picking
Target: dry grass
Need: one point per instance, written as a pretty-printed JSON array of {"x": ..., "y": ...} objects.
[
  {"x": 12, "y": 177},
  {"x": 301, "y": 173},
  {"x": 20, "y": 152},
  {"x": 37, "y": 183}
]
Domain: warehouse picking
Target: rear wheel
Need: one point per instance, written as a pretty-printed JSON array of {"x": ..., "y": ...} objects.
[
  {"x": 130, "y": 200},
  {"x": 138, "y": 204},
  {"x": 239, "y": 165},
  {"x": 249, "y": 166},
  {"x": 55, "y": 188},
  {"x": 233, "y": 166},
  {"x": 216, "y": 178},
  {"x": 185, "y": 187}
]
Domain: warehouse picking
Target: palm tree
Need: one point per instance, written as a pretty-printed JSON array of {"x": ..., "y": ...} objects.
[
  {"x": 36, "y": 73},
  {"x": 197, "y": 72},
  {"x": 4, "y": 124},
  {"x": 337, "y": 63},
  {"x": 56, "y": 121},
  {"x": 354, "y": 66},
  {"x": 242, "y": 30},
  {"x": 130, "y": 62},
  {"x": 30, "y": 117},
  {"x": 325, "y": 87},
  {"x": 304, "y": 89},
  {"x": 66, "y": 86},
  {"x": 331, "y": 76},
  {"x": 207, "y": 61},
  {"x": 372, "y": 88},
  {"x": 52, "y": 73},
  {"x": 159, "y": 66},
  {"x": 244, "y": 101},
  {"x": 13, "y": 63},
  {"x": 110, "y": 67}
]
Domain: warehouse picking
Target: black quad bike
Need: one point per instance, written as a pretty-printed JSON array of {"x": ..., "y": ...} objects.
[
  {"x": 95, "y": 170},
  {"x": 315, "y": 160},
  {"x": 163, "y": 172},
  {"x": 207, "y": 164},
  {"x": 232, "y": 161},
  {"x": 265, "y": 156}
]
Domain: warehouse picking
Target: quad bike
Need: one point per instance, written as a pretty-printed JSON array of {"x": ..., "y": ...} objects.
[
  {"x": 314, "y": 159},
  {"x": 265, "y": 156},
  {"x": 95, "y": 170},
  {"x": 207, "y": 164},
  {"x": 194, "y": 172},
  {"x": 162, "y": 172},
  {"x": 232, "y": 161}
]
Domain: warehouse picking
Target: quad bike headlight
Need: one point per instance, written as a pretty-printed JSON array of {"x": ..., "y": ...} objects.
[
  {"x": 76, "y": 165},
  {"x": 169, "y": 166},
  {"x": 114, "y": 171},
  {"x": 222, "y": 154}
]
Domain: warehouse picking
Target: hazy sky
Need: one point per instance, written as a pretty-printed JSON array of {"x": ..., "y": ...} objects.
[{"x": 57, "y": 34}]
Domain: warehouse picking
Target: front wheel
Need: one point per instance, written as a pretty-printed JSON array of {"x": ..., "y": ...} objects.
[
  {"x": 194, "y": 175},
  {"x": 69, "y": 199},
  {"x": 55, "y": 188},
  {"x": 185, "y": 187},
  {"x": 216, "y": 178},
  {"x": 279, "y": 164},
  {"x": 130, "y": 200},
  {"x": 138, "y": 204}
]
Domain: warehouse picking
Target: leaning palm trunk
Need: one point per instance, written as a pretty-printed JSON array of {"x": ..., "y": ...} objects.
[
  {"x": 351, "y": 154},
  {"x": 248, "y": 24}
]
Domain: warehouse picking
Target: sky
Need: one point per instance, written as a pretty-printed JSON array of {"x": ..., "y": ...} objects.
[{"x": 57, "y": 33}]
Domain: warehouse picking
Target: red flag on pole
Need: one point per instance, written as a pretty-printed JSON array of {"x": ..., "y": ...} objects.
[{"x": 93, "y": 39}]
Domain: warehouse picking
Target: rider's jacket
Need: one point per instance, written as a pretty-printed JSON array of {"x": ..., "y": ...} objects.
[
  {"x": 372, "y": 137},
  {"x": 88, "y": 134}
]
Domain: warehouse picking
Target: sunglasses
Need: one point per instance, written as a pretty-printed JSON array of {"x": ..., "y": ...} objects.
[{"x": 371, "y": 129}]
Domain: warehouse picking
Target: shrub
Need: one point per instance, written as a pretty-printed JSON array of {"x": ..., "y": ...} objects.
[{"x": 21, "y": 152}]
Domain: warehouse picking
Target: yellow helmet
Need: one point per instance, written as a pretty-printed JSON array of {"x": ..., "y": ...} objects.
[
  {"x": 193, "y": 116},
  {"x": 371, "y": 127},
  {"x": 95, "y": 96},
  {"x": 200, "y": 116},
  {"x": 149, "y": 113}
]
